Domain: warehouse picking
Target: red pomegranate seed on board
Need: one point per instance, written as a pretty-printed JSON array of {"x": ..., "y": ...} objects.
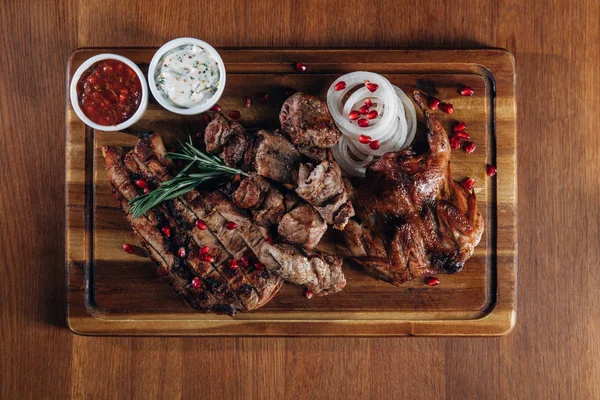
[
  {"x": 128, "y": 248},
  {"x": 490, "y": 170},
  {"x": 363, "y": 122},
  {"x": 447, "y": 108},
  {"x": 341, "y": 85},
  {"x": 142, "y": 184},
  {"x": 461, "y": 126},
  {"x": 374, "y": 145},
  {"x": 146, "y": 190},
  {"x": 372, "y": 114},
  {"x": 166, "y": 231},
  {"x": 247, "y": 102},
  {"x": 462, "y": 135},
  {"x": 364, "y": 110},
  {"x": 468, "y": 183},
  {"x": 234, "y": 114},
  {"x": 259, "y": 266},
  {"x": 196, "y": 283},
  {"x": 467, "y": 91},
  {"x": 244, "y": 261},
  {"x": 208, "y": 258},
  {"x": 372, "y": 87},
  {"x": 201, "y": 225},
  {"x": 206, "y": 119},
  {"x": 432, "y": 281},
  {"x": 233, "y": 264},
  {"x": 204, "y": 250},
  {"x": 300, "y": 67},
  {"x": 364, "y": 139},
  {"x": 216, "y": 108},
  {"x": 470, "y": 147},
  {"x": 434, "y": 103},
  {"x": 181, "y": 252},
  {"x": 354, "y": 115},
  {"x": 269, "y": 240},
  {"x": 455, "y": 142},
  {"x": 264, "y": 98},
  {"x": 309, "y": 295},
  {"x": 368, "y": 103},
  {"x": 231, "y": 225}
]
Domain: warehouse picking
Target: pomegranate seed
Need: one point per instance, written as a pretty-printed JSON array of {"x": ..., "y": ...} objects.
[
  {"x": 468, "y": 183},
  {"x": 455, "y": 142},
  {"x": 300, "y": 67},
  {"x": 264, "y": 98},
  {"x": 142, "y": 184},
  {"x": 247, "y": 102},
  {"x": 206, "y": 118},
  {"x": 269, "y": 240},
  {"x": 461, "y": 126},
  {"x": 372, "y": 114},
  {"x": 363, "y": 122},
  {"x": 364, "y": 139},
  {"x": 128, "y": 248},
  {"x": 374, "y": 145},
  {"x": 470, "y": 147},
  {"x": 208, "y": 258},
  {"x": 146, "y": 190},
  {"x": 447, "y": 108},
  {"x": 259, "y": 266},
  {"x": 181, "y": 252},
  {"x": 434, "y": 103},
  {"x": 216, "y": 108},
  {"x": 204, "y": 250},
  {"x": 233, "y": 264},
  {"x": 432, "y": 281},
  {"x": 201, "y": 225},
  {"x": 490, "y": 169},
  {"x": 166, "y": 231},
  {"x": 341, "y": 85},
  {"x": 462, "y": 135},
  {"x": 244, "y": 261},
  {"x": 115, "y": 195},
  {"x": 308, "y": 294},
  {"x": 230, "y": 225},
  {"x": 467, "y": 91},
  {"x": 196, "y": 283},
  {"x": 234, "y": 114},
  {"x": 364, "y": 110},
  {"x": 354, "y": 115},
  {"x": 371, "y": 86},
  {"x": 368, "y": 103}
]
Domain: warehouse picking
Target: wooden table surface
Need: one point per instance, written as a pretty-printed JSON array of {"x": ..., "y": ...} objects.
[{"x": 552, "y": 353}]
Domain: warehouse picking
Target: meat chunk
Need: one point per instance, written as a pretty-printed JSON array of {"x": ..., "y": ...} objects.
[
  {"x": 302, "y": 226},
  {"x": 324, "y": 188},
  {"x": 306, "y": 121},
  {"x": 251, "y": 192},
  {"x": 416, "y": 220},
  {"x": 276, "y": 158},
  {"x": 264, "y": 200}
]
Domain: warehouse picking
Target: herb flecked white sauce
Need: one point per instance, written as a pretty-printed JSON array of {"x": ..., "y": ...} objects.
[{"x": 188, "y": 76}]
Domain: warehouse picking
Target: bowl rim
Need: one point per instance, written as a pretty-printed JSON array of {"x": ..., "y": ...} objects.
[
  {"x": 173, "y": 44},
  {"x": 75, "y": 98}
]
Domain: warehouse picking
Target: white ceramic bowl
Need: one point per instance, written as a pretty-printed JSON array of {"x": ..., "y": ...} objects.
[
  {"x": 153, "y": 73},
  {"x": 75, "y": 101}
]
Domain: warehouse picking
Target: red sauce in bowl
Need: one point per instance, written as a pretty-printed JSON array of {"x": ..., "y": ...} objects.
[{"x": 109, "y": 92}]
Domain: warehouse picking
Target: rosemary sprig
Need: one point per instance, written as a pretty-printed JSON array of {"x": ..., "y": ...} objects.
[{"x": 205, "y": 166}]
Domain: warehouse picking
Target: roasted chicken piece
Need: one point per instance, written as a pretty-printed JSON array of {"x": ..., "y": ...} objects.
[{"x": 414, "y": 219}]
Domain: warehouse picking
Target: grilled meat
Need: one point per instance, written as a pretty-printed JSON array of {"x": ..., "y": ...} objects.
[
  {"x": 302, "y": 226},
  {"x": 415, "y": 220}
]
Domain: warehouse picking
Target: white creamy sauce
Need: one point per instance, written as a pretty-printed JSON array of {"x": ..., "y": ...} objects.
[{"x": 188, "y": 76}]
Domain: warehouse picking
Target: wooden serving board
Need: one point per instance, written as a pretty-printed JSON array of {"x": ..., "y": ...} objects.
[{"x": 111, "y": 292}]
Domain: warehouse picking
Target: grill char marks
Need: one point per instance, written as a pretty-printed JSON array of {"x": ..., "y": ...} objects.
[
  {"x": 223, "y": 244},
  {"x": 416, "y": 220}
]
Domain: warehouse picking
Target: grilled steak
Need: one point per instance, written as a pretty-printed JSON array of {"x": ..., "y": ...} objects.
[{"x": 415, "y": 220}]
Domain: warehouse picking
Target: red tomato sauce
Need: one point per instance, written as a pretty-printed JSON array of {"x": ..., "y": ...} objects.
[{"x": 109, "y": 92}]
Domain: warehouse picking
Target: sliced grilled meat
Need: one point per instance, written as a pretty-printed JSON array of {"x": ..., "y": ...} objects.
[{"x": 416, "y": 220}]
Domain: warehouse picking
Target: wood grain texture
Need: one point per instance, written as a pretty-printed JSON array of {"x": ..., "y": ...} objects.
[
  {"x": 112, "y": 292},
  {"x": 551, "y": 354}
]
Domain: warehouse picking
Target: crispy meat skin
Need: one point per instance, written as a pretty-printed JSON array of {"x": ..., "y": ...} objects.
[{"x": 415, "y": 220}]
